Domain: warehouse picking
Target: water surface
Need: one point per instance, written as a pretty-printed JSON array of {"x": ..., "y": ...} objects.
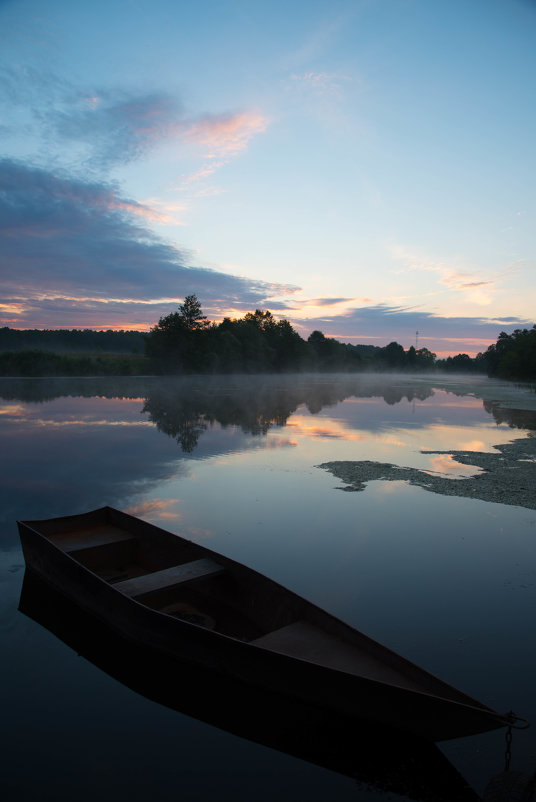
[{"x": 448, "y": 582}]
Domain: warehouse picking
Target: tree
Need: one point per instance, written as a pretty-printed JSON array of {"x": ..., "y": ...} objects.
[
  {"x": 261, "y": 320},
  {"x": 513, "y": 356},
  {"x": 177, "y": 342},
  {"x": 329, "y": 354},
  {"x": 190, "y": 312},
  {"x": 425, "y": 358},
  {"x": 411, "y": 357},
  {"x": 462, "y": 363},
  {"x": 291, "y": 351},
  {"x": 166, "y": 341},
  {"x": 394, "y": 355}
]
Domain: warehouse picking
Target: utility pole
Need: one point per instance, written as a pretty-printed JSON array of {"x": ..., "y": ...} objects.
[{"x": 416, "y": 340}]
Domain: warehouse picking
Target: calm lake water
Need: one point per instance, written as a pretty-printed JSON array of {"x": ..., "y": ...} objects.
[{"x": 448, "y": 582}]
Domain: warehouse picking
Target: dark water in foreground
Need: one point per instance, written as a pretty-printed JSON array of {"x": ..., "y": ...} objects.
[{"x": 448, "y": 582}]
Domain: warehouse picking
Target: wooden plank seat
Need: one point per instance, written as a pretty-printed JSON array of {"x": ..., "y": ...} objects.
[
  {"x": 91, "y": 538},
  {"x": 167, "y": 577}
]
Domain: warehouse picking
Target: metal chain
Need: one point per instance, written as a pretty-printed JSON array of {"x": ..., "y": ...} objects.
[{"x": 508, "y": 750}]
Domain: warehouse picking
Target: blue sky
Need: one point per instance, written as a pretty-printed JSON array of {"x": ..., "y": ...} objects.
[{"x": 362, "y": 168}]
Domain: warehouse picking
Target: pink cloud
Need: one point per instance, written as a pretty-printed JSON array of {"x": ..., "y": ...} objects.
[
  {"x": 155, "y": 508},
  {"x": 226, "y": 134},
  {"x": 203, "y": 172},
  {"x": 321, "y": 82},
  {"x": 158, "y": 211},
  {"x": 135, "y": 208}
]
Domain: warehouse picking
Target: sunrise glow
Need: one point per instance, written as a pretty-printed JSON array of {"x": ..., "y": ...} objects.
[{"x": 332, "y": 163}]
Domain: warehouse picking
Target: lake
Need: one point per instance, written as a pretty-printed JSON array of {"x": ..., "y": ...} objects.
[{"x": 447, "y": 580}]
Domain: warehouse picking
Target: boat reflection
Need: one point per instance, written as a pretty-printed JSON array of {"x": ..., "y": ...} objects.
[{"x": 381, "y": 758}]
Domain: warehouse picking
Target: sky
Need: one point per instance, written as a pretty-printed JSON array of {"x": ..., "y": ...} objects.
[{"x": 365, "y": 168}]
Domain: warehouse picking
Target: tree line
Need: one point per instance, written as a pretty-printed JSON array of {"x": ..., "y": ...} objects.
[
  {"x": 48, "y": 363},
  {"x": 513, "y": 356},
  {"x": 72, "y": 352},
  {"x": 72, "y": 341},
  {"x": 186, "y": 342}
]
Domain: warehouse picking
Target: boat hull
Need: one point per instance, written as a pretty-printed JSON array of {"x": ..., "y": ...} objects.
[
  {"x": 385, "y": 759},
  {"x": 421, "y": 713}
]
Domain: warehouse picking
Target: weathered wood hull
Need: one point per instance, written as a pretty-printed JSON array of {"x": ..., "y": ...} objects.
[
  {"x": 417, "y": 703},
  {"x": 383, "y": 758}
]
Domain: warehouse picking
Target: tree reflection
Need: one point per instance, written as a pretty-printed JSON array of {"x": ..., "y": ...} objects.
[
  {"x": 185, "y": 409},
  {"x": 178, "y": 417},
  {"x": 514, "y": 418}
]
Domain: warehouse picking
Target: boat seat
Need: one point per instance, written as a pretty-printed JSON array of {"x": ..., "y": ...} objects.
[
  {"x": 168, "y": 577},
  {"x": 90, "y": 538}
]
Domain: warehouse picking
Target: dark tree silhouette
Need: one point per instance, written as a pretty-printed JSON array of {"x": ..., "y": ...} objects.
[
  {"x": 185, "y": 341},
  {"x": 191, "y": 314},
  {"x": 513, "y": 356}
]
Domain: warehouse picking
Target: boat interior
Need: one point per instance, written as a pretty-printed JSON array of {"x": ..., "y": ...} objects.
[
  {"x": 174, "y": 578},
  {"x": 179, "y": 578}
]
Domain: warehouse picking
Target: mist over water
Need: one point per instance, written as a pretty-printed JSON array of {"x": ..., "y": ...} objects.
[{"x": 232, "y": 462}]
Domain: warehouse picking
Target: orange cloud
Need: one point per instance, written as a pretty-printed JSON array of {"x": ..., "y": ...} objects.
[
  {"x": 153, "y": 210},
  {"x": 477, "y": 289},
  {"x": 13, "y": 410},
  {"x": 162, "y": 212},
  {"x": 389, "y": 440},
  {"x": 199, "y": 175},
  {"x": 198, "y": 534},
  {"x": 226, "y": 134},
  {"x": 50, "y": 423},
  {"x": 473, "y": 445},
  {"x": 327, "y": 430},
  {"x": 155, "y": 508},
  {"x": 13, "y": 308},
  {"x": 446, "y": 464}
]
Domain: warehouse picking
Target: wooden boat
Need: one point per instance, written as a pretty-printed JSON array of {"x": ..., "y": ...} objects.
[
  {"x": 386, "y": 760},
  {"x": 181, "y": 599}
]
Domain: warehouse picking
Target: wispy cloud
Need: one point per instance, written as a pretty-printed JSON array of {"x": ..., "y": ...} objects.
[
  {"x": 225, "y": 134},
  {"x": 160, "y": 509},
  {"x": 450, "y": 274},
  {"x": 163, "y": 212},
  {"x": 115, "y": 127},
  {"x": 200, "y": 175},
  {"x": 220, "y": 137},
  {"x": 329, "y": 302},
  {"x": 320, "y": 40},
  {"x": 322, "y": 83},
  {"x": 471, "y": 284},
  {"x": 118, "y": 128},
  {"x": 76, "y": 253},
  {"x": 380, "y": 324},
  {"x": 102, "y": 128},
  {"x": 96, "y": 128},
  {"x": 456, "y": 280}
]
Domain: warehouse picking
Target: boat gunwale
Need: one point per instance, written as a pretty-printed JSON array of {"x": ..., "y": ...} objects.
[{"x": 108, "y": 514}]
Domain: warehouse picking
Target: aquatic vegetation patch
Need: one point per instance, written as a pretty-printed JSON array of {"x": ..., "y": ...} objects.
[{"x": 507, "y": 476}]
